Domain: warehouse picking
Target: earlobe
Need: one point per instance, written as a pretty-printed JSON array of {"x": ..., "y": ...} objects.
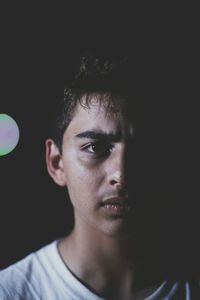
[{"x": 54, "y": 163}]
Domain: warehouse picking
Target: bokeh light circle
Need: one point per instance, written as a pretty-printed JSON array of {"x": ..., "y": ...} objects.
[{"x": 9, "y": 134}]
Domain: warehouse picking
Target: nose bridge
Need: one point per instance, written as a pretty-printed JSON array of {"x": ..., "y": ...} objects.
[{"x": 117, "y": 166}]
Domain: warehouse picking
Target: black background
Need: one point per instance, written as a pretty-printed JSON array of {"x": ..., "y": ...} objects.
[{"x": 38, "y": 46}]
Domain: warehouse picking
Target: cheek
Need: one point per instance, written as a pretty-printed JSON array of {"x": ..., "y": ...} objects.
[{"x": 83, "y": 178}]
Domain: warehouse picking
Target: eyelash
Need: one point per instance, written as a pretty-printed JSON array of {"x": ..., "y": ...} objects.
[{"x": 105, "y": 149}]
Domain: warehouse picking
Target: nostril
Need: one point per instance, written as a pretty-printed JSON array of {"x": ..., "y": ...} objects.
[{"x": 119, "y": 185}]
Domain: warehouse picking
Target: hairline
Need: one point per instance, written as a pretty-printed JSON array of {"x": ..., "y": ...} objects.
[{"x": 112, "y": 103}]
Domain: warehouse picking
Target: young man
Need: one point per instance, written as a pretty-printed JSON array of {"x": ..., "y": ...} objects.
[{"x": 93, "y": 155}]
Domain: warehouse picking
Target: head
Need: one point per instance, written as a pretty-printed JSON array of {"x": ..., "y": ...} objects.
[{"x": 91, "y": 151}]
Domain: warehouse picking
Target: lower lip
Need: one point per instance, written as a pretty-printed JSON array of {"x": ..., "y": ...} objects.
[{"x": 118, "y": 209}]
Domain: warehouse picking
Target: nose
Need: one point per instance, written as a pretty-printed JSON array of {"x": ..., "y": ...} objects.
[
  {"x": 117, "y": 181},
  {"x": 116, "y": 169}
]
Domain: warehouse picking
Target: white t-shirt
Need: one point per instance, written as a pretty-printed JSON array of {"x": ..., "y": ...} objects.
[{"x": 43, "y": 275}]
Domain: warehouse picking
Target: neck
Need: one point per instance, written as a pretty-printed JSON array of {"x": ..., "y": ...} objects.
[{"x": 101, "y": 261}]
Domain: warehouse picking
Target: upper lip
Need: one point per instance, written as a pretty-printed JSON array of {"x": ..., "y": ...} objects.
[{"x": 116, "y": 200}]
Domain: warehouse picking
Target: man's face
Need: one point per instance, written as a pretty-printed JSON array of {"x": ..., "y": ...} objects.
[{"x": 94, "y": 160}]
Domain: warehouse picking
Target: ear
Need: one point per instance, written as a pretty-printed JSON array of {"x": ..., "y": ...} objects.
[{"x": 54, "y": 163}]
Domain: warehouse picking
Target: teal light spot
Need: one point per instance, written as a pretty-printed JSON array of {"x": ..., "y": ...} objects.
[{"x": 9, "y": 134}]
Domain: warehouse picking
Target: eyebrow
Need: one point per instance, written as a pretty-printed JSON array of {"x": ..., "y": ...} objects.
[{"x": 99, "y": 135}]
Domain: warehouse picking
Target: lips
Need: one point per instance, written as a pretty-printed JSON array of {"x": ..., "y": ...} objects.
[
  {"x": 118, "y": 206},
  {"x": 116, "y": 201}
]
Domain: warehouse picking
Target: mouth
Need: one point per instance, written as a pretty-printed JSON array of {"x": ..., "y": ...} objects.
[{"x": 116, "y": 205}]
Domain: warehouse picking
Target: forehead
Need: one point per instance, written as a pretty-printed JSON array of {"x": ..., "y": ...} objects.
[{"x": 96, "y": 116}]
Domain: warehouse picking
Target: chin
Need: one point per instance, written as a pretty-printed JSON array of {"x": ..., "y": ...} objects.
[{"x": 116, "y": 231}]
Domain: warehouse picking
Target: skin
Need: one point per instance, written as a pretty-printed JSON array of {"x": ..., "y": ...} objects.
[{"x": 101, "y": 249}]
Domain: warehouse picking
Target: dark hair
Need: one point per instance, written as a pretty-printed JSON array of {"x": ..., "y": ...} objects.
[{"x": 111, "y": 80}]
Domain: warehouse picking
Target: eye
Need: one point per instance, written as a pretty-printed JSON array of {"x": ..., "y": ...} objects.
[{"x": 98, "y": 148}]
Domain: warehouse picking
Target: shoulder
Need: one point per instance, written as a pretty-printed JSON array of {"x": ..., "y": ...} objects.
[{"x": 25, "y": 276}]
